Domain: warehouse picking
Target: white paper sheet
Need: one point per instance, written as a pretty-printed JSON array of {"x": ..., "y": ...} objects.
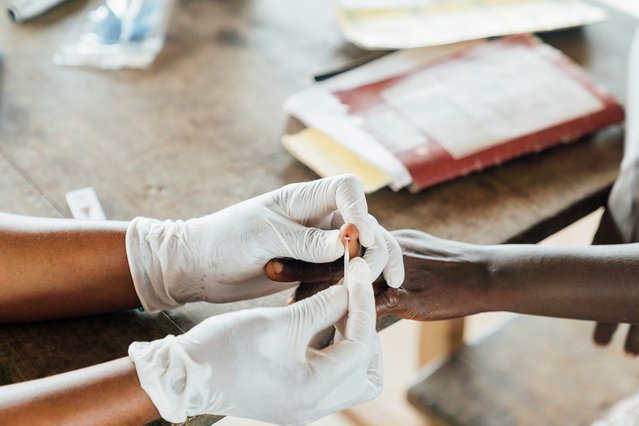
[
  {"x": 385, "y": 24},
  {"x": 477, "y": 100},
  {"x": 317, "y": 107},
  {"x": 501, "y": 94}
]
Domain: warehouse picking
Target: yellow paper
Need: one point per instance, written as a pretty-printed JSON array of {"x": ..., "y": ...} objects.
[{"x": 328, "y": 158}]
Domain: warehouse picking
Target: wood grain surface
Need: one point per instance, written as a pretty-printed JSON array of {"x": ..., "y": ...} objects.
[
  {"x": 200, "y": 130},
  {"x": 534, "y": 371}
]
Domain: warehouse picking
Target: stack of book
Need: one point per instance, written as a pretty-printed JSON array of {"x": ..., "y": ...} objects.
[{"x": 422, "y": 116}]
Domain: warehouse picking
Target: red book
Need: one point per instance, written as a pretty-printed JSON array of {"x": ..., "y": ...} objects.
[{"x": 474, "y": 107}]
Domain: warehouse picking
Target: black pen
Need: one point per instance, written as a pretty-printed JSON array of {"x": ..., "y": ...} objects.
[{"x": 349, "y": 65}]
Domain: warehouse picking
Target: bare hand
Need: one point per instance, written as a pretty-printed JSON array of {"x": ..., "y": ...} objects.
[{"x": 444, "y": 279}]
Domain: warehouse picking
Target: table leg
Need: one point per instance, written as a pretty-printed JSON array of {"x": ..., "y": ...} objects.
[{"x": 439, "y": 338}]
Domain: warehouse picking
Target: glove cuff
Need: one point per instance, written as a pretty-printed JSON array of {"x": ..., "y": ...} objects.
[
  {"x": 172, "y": 380},
  {"x": 144, "y": 238}
]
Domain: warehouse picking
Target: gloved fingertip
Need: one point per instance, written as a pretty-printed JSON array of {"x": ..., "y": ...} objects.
[
  {"x": 376, "y": 261},
  {"x": 394, "y": 278},
  {"x": 366, "y": 235},
  {"x": 334, "y": 244},
  {"x": 394, "y": 283},
  {"x": 365, "y": 227},
  {"x": 360, "y": 269},
  {"x": 334, "y": 291},
  {"x": 322, "y": 246}
]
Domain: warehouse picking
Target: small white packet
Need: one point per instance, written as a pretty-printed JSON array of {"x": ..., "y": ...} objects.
[
  {"x": 84, "y": 204},
  {"x": 117, "y": 34}
]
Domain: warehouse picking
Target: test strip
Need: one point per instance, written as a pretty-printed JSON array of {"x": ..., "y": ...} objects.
[
  {"x": 84, "y": 204},
  {"x": 347, "y": 258}
]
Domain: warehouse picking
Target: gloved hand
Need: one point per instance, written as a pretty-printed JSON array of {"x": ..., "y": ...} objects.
[
  {"x": 258, "y": 364},
  {"x": 220, "y": 257}
]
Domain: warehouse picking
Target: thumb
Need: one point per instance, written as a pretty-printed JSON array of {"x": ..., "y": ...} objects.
[
  {"x": 321, "y": 310},
  {"x": 361, "y": 320},
  {"x": 310, "y": 244},
  {"x": 350, "y": 370}
]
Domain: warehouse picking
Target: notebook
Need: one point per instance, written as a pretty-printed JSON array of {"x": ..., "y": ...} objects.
[{"x": 420, "y": 117}]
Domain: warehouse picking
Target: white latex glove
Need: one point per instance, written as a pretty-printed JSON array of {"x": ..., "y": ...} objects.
[
  {"x": 220, "y": 257},
  {"x": 258, "y": 364}
]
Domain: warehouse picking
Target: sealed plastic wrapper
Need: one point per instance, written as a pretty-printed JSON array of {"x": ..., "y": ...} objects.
[{"x": 117, "y": 34}]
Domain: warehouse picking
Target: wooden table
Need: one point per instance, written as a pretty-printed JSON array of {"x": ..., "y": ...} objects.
[{"x": 201, "y": 129}]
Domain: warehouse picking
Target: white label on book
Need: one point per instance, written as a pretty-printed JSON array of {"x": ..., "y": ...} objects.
[
  {"x": 494, "y": 96},
  {"x": 398, "y": 133}
]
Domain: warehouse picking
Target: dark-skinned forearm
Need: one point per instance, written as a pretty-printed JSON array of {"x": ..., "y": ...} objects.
[
  {"x": 593, "y": 283},
  {"x": 104, "y": 394},
  {"x": 52, "y": 268}
]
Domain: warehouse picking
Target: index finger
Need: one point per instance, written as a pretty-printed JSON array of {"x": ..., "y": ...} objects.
[
  {"x": 361, "y": 317},
  {"x": 344, "y": 193},
  {"x": 289, "y": 270}
]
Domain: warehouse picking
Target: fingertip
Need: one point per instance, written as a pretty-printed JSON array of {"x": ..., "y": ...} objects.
[
  {"x": 334, "y": 295},
  {"x": 359, "y": 262},
  {"x": 366, "y": 233},
  {"x": 277, "y": 267},
  {"x": 336, "y": 291},
  {"x": 604, "y": 333},
  {"x": 394, "y": 278},
  {"x": 349, "y": 234},
  {"x": 349, "y": 230},
  {"x": 359, "y": 269},
  {"x": 273, "y": 270},
  {"x": 367, "y": 238},
  {"x": 394, "y": 271},
  {"x": 331, "y": 249},
  {"x": 630, "y": 354},
  {"x": 365, "y": 225},
  {"x": 377, "y": 259},
  {"x": 351, "y": 203}
]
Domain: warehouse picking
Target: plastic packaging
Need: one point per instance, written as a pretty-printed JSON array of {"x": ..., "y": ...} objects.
[
  {"x": 23, "y": 10},
  {"x": 117, "y": 34}
]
